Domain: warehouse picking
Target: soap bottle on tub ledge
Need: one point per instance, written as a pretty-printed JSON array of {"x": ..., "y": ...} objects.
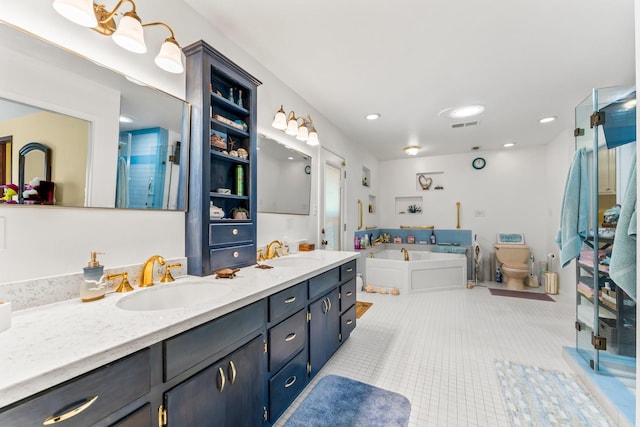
[
  {"x": 93, "y": 286},
  {"x": 432, "y": 238}
]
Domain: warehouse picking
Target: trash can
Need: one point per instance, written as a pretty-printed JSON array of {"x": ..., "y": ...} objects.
[{"x": 551, "y": 283}]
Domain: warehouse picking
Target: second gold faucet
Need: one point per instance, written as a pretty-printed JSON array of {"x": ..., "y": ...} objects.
[{"x": 146, "y": 276}]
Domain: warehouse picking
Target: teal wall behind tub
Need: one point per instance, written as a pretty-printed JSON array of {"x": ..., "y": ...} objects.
[{"x": 456, "y": 237}]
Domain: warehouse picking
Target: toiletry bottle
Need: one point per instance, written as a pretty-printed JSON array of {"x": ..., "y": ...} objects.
[
  {"x": 432, "y": 238},
  {"x": 356, "y": 243},
  {"x": 93, "y": 286},
  {"x": 498, "y": 274}
]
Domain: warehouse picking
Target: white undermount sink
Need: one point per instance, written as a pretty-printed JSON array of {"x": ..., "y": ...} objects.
[
  {"x": 172, "y": 296},
  {"x": 289, "y": 261}
]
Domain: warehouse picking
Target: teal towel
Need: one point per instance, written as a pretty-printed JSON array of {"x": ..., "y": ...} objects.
[
  {"x": 575, "y": 209},
  {"x": 622, "y": 268}
]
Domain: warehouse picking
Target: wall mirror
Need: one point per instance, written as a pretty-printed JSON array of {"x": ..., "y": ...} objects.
[
  {"x": 284, "y": 178},
  {"x": 114, "y": 142}
]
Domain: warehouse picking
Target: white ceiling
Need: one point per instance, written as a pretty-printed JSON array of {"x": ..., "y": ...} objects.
[{"x": 410, "y": 59}]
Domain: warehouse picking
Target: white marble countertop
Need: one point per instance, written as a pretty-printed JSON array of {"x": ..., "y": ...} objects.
[{"x": 53, "y": 343}]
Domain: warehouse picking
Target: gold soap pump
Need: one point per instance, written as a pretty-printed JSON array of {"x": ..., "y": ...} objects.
[{"x": 93, "y": 286}]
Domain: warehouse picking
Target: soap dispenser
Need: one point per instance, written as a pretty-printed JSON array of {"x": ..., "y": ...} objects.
[{"x": 94, "y": 286}]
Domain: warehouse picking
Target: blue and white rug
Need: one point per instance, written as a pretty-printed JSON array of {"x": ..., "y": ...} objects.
[
  {"x": 338, "y": 401},
  {"x": 540, "y": 397}
]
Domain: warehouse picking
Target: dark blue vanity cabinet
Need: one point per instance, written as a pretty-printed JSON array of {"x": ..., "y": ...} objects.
[{"x": 222, "y": 168}]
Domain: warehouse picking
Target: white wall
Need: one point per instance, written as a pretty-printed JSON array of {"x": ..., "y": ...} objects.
[
  {"x": 155, "y": 232},
  {"x": 508, "y": 195}
]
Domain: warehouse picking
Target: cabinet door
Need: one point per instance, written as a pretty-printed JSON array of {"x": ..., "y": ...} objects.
[
  {"x": 139, "y": 417},
  {"x": 245, "y": 398},
  {"x": 228, "y": 393},
  {"x": 198, "y": 401},
  {"x": 324, "y": 330}
]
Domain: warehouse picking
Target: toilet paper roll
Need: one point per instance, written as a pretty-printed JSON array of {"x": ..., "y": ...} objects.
[{"x": 551, "y": 258}]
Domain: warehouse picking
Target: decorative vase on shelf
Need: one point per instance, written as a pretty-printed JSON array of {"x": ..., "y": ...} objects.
[
  {"x": 240, "y": 98},
  {"x": 230, "y": 98}
]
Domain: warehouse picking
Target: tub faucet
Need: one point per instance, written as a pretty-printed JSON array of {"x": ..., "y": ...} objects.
[
  {"x": 406, "y": 254},
  {"x": 146, "y": 277}
]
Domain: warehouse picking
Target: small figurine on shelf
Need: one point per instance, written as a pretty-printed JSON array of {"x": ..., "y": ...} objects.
[{"x": 240, "y": 98}]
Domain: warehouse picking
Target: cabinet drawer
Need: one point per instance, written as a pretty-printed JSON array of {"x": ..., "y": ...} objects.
[
  {"x": 347, "y": 295},
  {"x": 287, "y": 384},
  {"x": 220, "y": 234},
  {"x": 323, "y": 282},
  {"x": 237, "y": 256},
  {"x": 348, "y": 271},
  {"x": 196, "y": 345},
  {"x": 287, "y": 302},
  {"x": 286, "y": 339},
  {"x": 347, "y": 323},
  {"x": 101, "y": 392}
]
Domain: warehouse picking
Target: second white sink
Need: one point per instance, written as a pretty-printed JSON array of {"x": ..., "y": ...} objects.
[{"x": 172, "y": 296}]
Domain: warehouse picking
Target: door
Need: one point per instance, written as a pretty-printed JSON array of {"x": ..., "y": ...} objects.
[{"x": 331, "y": 221}]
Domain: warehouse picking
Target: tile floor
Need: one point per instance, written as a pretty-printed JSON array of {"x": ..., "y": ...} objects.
[{"x": 439, "y": 350}]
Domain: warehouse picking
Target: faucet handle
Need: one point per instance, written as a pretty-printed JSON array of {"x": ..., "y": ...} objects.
[
  {"x": 167, "y": 277},
  {"x": 260, "y": 255},
  {"x": 124, "y": 285}
]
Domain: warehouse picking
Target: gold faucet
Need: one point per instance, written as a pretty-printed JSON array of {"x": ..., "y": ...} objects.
[
  {"x": 406, "y": 254},
  {"x": 146, "y": 277},
  {"x": 271, "y": 249}
]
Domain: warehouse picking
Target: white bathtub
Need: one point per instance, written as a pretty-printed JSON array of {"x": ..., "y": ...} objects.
[{"x": 424, "y": 271}]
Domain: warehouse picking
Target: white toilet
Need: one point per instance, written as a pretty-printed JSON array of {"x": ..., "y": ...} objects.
[{"x": 513, "y": 257}]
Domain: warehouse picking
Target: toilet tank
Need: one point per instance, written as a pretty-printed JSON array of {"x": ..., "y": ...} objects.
[{"x": 512, "y": 254}]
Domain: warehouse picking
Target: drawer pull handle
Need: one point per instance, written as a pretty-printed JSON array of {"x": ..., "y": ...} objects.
[
  {"x": 289, "y": 300},
  {"x": 350, "y": 321},
  {"x": 222, "y": 380},
  {"x": 290, "y": 337},
  {"x": 77, "y": 407},
  {"x": 349, "y": 270},
  {"x": 236, "y": 254},
  {"x": 233, "y": 372},
  {"x": 349, "y": 293},
  {"x": 290, "y": 381},
  {"x": 235, "y": 232}
]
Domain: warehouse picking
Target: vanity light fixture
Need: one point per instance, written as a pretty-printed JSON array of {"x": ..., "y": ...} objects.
[
  {"x": 547, "y": 119},
  {"x": 128, "y": 34},
  {"x": 304, "y": 131},
  {"x": 412, "y": 150}
]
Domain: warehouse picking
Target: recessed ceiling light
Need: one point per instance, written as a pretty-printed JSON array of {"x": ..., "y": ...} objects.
[
  {"x": 372, "y": 116},
  {"x": 412, "y": 150},
  {"x": 547, "y": 119},
  {"x": 126, "y": 119},
  {"x": 462, "y": 112},
  {"x": 509, "y": 144},
  {"x": 289, "y": 158},
  {"x": 629, "y": 104}
]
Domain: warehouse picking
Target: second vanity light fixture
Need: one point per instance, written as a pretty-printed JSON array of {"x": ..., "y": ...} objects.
[
  {"x": 128, "y": 34},
  {"x": 289, "y": 124}
]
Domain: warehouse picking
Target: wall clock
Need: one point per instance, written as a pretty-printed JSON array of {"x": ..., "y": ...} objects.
[{"x": 478, "y": 163}]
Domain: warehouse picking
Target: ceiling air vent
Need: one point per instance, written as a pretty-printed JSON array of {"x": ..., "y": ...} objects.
[{"x": 464, "y": 125}]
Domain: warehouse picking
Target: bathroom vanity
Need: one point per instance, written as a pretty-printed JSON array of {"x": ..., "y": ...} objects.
[{"x": 240, "y": 359}]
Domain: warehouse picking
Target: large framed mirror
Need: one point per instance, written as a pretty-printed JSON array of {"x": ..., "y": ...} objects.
[
  {"x": 113, "y": 142},
  {"x": 284, "y": 178}
]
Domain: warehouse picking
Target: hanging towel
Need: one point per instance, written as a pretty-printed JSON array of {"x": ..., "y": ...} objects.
[
  {"x": 622, "y": 267},
  {"x": 575, "y": 209},
  {"x": 122, "y": 185}
]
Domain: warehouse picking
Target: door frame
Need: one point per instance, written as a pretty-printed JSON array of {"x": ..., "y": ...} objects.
[{"x": 328, "y": 156}]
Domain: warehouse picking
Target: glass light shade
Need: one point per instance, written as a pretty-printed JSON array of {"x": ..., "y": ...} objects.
[
  {"x": 303, "y": 133},
  {"x": 129, "y": 34},
  {"x": 280, "y": 120},
  {"x": 78, "y": 11},
  {"x": 292, "y": 125},
  {"x": 170, "y": 57},
  {"x": 412, "y": 151},
  {"x": 313, "y": 137}
]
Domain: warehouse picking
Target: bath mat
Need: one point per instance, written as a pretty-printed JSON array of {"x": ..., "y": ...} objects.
[
  {"x": 338, "y": 401},
  {"x": 540, "y": 397},
  {"x": 361, "y": 308},
  {"x": 521, "y": 294}
]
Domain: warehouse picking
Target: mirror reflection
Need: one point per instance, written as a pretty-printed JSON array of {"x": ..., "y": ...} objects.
[
  {"x": 284, "y": 178},
  {"x": 113, "y": 142}
]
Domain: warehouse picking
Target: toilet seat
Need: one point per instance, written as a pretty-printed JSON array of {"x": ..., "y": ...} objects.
[{"x": 515, "y": 266}]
